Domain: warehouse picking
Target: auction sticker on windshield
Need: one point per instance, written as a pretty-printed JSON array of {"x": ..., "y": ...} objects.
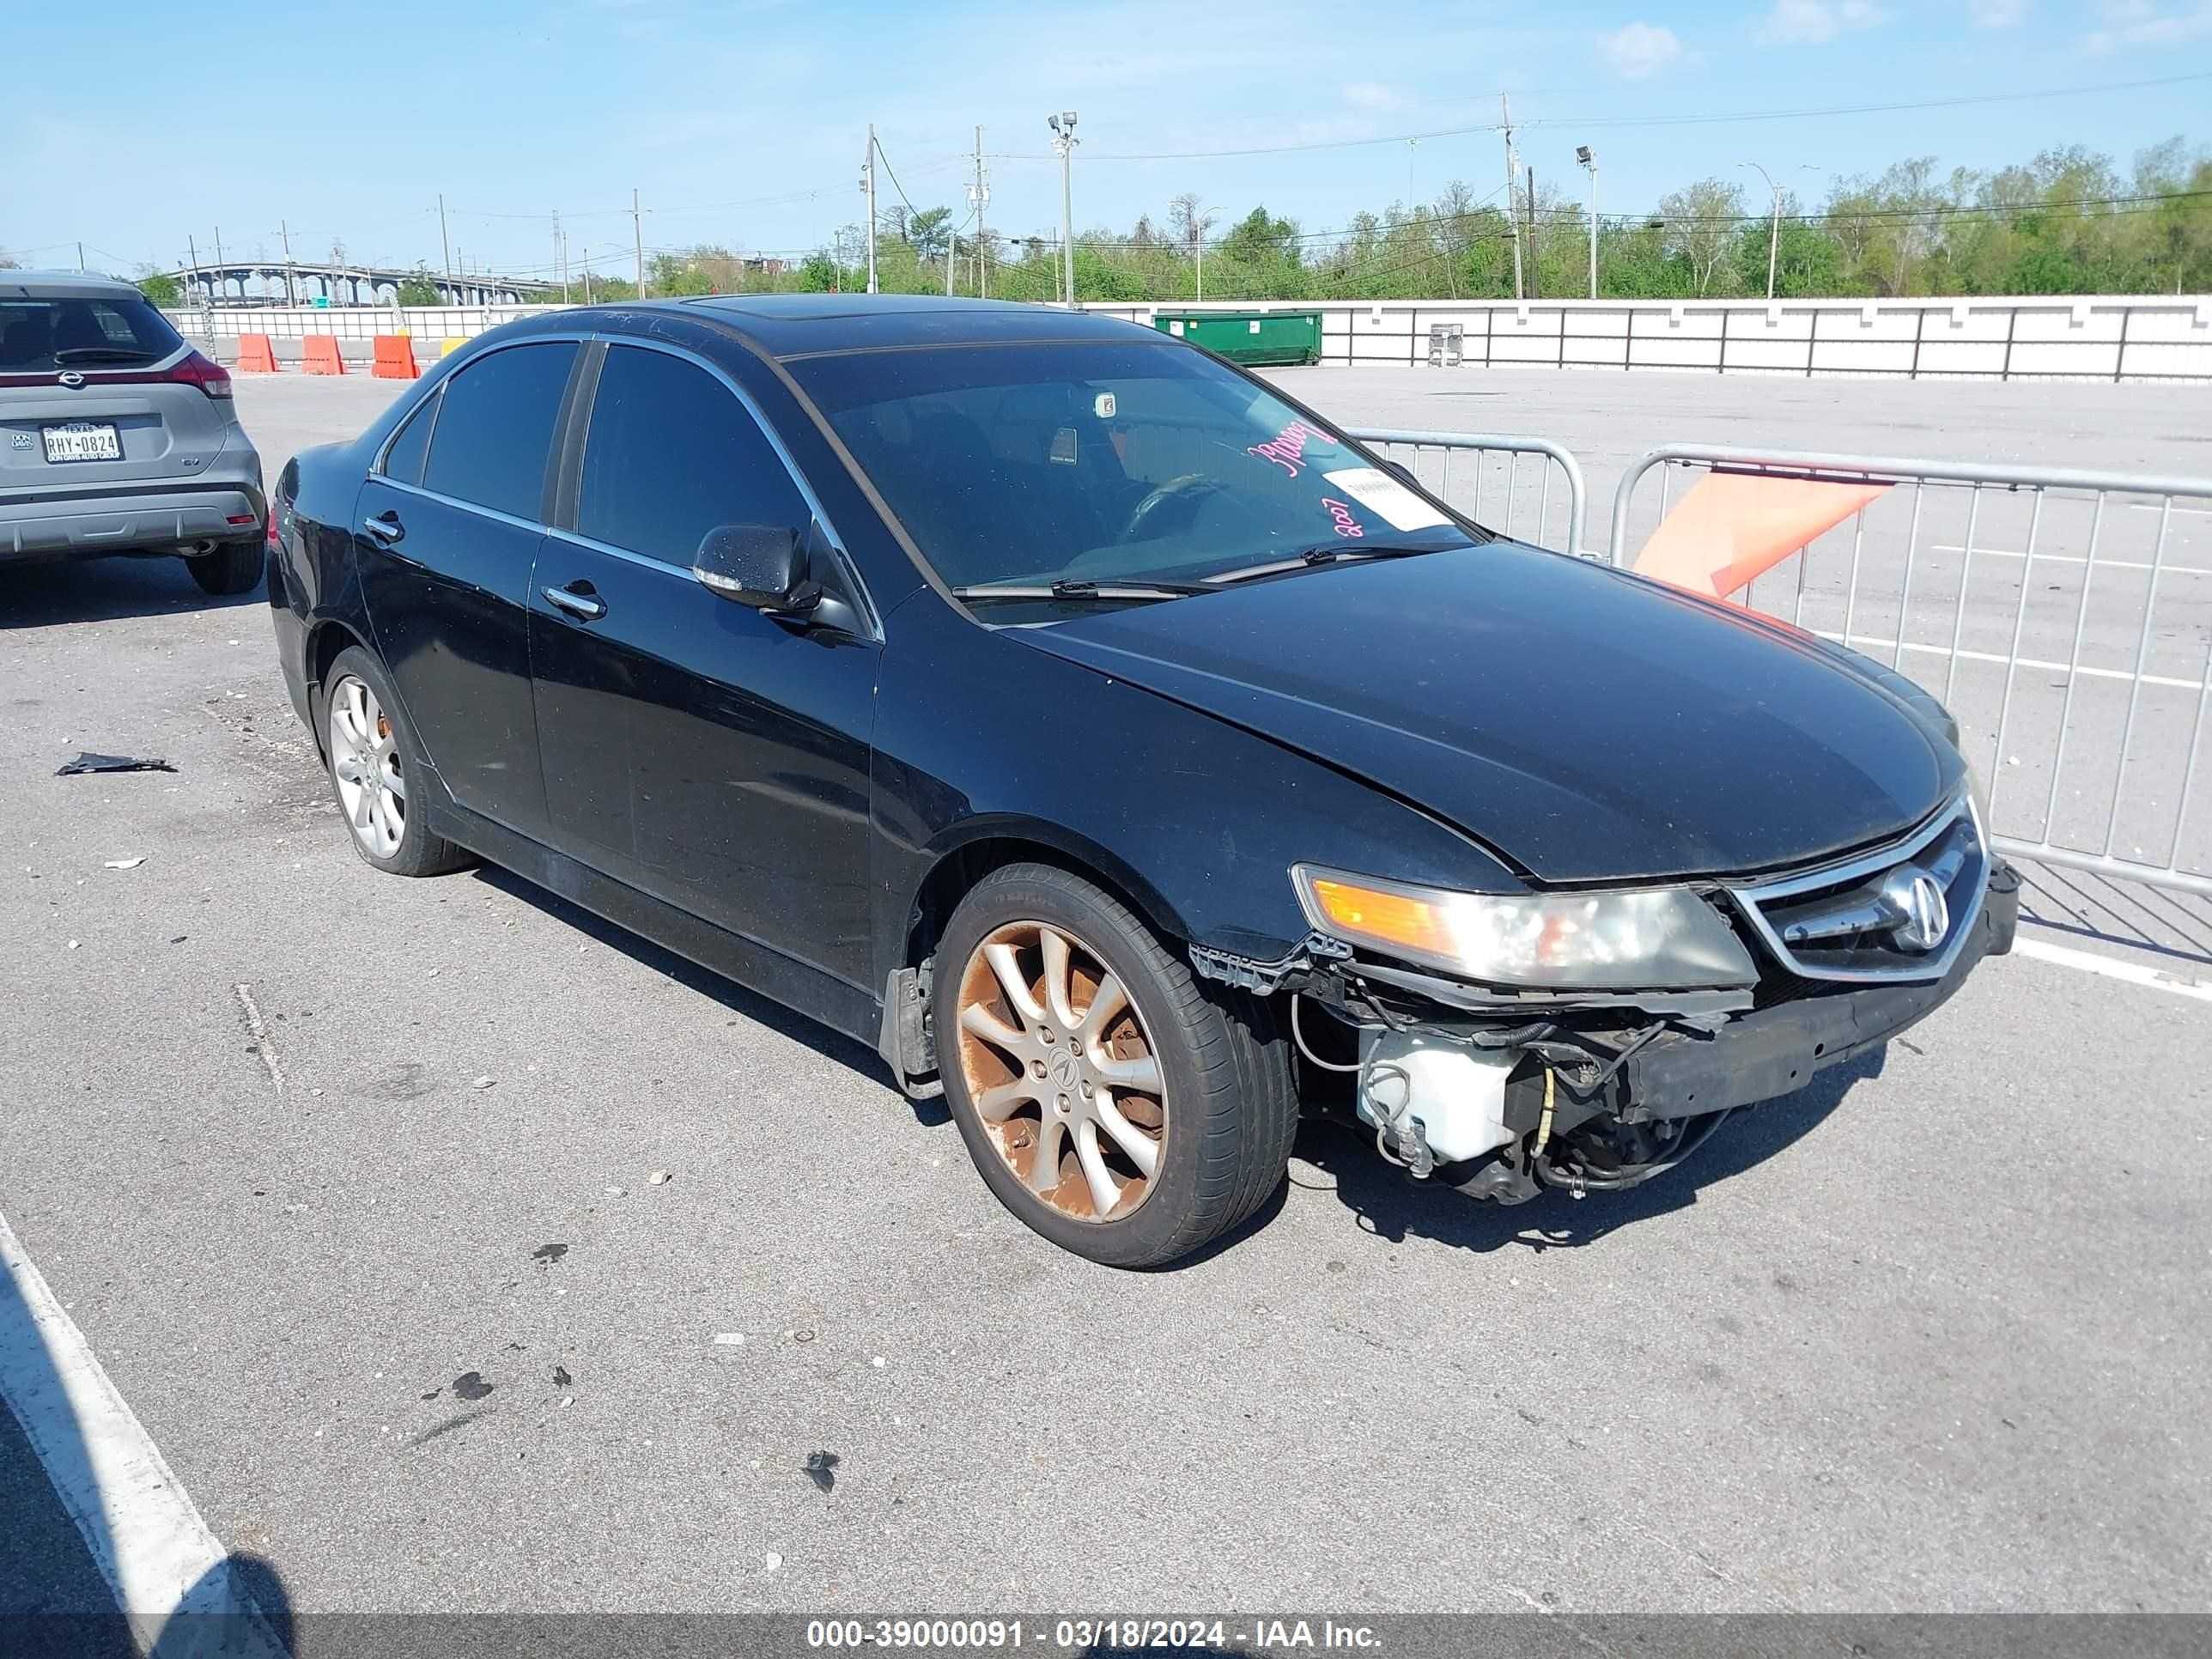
[{"x": 1383, "y": 496}]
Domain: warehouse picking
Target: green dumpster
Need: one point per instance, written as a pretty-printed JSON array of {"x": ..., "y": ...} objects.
[{"x": 1254, "y": 338}]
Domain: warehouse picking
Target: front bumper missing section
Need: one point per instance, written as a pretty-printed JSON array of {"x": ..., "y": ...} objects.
[{"x": 1774, "y": 1051}]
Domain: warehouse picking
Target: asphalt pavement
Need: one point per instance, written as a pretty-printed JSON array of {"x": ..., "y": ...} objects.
[{"x": 341, "y": 1175}]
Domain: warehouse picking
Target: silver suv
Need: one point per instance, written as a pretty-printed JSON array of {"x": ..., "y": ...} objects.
[{"x": 117, "y": 437}]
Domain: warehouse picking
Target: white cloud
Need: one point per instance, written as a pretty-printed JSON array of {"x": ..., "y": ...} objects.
[
  {"x": 2142, "y": 23},
  {"x": 1370, "y": 94},
  {"x": 1996, "y": 14},
  {"x": 1638, "y": 51},
  {"x": 1812, "y": 22}
]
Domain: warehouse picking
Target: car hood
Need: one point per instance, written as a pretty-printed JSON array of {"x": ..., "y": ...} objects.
[{"x": 1584, "y": 724}]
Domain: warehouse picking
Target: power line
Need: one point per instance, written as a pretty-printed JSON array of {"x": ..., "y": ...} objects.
[{"x": 1594, "y": 121}]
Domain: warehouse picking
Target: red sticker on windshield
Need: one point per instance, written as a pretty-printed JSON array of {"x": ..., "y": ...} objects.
[
  {"x": 1345, "y": 524},
  {"x": 1287, "y": 448}
]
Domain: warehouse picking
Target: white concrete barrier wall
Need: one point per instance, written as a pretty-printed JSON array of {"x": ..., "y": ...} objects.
[{"x": 2119, "y": 338}]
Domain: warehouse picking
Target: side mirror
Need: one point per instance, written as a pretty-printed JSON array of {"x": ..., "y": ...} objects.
[{"x": 762, "y": 565}]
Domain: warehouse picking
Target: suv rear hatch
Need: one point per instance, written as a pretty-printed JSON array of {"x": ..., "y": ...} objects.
[{"x": 97, "y": 390}]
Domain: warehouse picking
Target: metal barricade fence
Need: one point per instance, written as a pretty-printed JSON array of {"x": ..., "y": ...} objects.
[
  {"x": 1518, "y": 495},
  {"x": 2063, "y": 616}
]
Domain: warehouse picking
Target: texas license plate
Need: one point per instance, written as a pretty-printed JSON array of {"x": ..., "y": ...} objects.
[{"x": 84, "y": 441}]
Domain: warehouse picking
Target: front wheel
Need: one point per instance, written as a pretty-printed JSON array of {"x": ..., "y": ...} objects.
[
  {"x": 1107, "y": 1099},
  {"x": 233, "y": 568}
]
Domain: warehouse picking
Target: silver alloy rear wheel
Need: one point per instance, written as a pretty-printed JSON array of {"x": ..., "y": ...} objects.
[
  {"x": 365, "y": 760},
  {"x": 1062, "y": 1072}
]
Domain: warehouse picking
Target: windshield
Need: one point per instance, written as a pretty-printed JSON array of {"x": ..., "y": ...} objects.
[
  {"x": 50, "y": 334},
  {"x": 1107, "y": 463}
]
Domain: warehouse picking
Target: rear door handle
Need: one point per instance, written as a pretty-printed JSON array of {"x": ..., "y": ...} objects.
[
  {"x": 385, "y": 526},
  {"x": 586, "y": 606}
]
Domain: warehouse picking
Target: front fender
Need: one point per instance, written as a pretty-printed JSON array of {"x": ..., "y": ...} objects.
[{"x": 981, "y": 737}]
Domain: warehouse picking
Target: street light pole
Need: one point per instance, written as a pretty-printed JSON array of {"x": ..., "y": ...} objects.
[
  {"x": 1774, "y": 226},
  {"x": 1588, "y": 157},
  {"x": 868, "y": 183},
  {"x": 1063, "y": 143}
]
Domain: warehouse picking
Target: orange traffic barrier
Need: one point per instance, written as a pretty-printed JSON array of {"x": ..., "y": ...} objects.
[
  {"x": 319, "y": 355},
  {"x": 255, "y": 354},
  {"x": 394, "y": 359},
  {"x": 1734, "y": 526}
]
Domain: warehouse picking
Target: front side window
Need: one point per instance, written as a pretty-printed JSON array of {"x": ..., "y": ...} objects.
[
  {"x": 495, "y": 430},
  {"x": 1109, "y": 463},
  {"x": 670, "y": 455}
]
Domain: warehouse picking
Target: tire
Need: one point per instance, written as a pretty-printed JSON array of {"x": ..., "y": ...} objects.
[
  {"x": 233, "y": 568},
  {"x": 372, "y": 758},
  {"x": 1226, "y": 1102}
]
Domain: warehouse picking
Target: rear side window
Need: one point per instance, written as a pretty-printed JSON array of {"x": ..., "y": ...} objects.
[
  {"x": 42, "y": 335},
  {"x": 402, "y": 462},
  {"x": 670, "y": 455},
  {"x": 496, "y": 428}
]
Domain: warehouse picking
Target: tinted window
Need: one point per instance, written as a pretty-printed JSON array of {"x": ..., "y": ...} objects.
[
  {"x": 670, "y": 455},
  {"x": 1095, "y": 463},
  {"x": 48, "y": 334},
  {"x": 404, "y": 460},
  {"x": 496, "y": 428}
]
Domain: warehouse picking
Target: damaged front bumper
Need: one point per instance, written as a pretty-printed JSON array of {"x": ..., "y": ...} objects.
[{"x": 1559, "y": 1075}]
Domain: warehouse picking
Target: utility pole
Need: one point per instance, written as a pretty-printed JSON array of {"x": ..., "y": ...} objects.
[
  {"x": 291, "y": 289},
  {"x": 1532, "y": 233},
  {"x": 1064, "y": 142},
  {"x": 193, "y": 248},
  {"x": 868, "y": 184},
  {"x": 560, "y": 256},
  {"x": 1512, "y": 219},
  {"x": 445, "y": 247},
  {"x": 637, "y": 242},
  {"x": 588, "y": 276},
  {"x": 214, "y": 289},
  {"x": 982, "y": 201}
]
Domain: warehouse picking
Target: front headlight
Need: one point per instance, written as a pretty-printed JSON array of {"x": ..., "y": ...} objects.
[{"x": 1658, "y": 939}]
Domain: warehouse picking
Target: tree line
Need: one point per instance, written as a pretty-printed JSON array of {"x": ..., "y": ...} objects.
[{"x": 2070, "y": 221}]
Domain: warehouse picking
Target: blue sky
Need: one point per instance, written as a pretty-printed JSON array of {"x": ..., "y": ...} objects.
[{"x": 743, "y": 122}]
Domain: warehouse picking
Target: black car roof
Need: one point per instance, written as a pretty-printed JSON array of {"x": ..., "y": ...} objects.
[{"x": 804, "y": 324}]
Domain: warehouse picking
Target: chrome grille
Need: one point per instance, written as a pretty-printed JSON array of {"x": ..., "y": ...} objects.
[{"x": 1903, "y": 912}]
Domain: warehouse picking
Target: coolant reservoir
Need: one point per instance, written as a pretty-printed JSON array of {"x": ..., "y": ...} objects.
[{"x": 1457, "y": 1092}]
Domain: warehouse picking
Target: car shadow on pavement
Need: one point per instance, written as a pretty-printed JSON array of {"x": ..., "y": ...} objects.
[
  {"x": 784, "y": 1022},
  {"x": 62, "y": 1558},
  {"x": 1389, "y": 1205},
  {"x": 43, "y": 594}
]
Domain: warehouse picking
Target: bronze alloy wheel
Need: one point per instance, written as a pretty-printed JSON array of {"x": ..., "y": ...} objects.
[{"x": 1063, "y": 1074}]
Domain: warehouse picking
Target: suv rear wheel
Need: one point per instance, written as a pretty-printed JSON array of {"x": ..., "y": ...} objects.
[
  {"x": 232, "y": 567},
  {"x": 1110, "y": 1101}
]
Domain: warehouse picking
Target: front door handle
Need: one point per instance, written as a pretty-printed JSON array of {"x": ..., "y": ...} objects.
[
  {"x": 385, "y": 526},
  {"x": 584, "y": 606}
]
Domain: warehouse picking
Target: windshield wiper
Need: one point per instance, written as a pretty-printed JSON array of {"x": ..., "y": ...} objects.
[
  {"x": 1309, "y": 558},
  {"x": 102, "y": 354},
  {"x": 1066, "y": 589}
]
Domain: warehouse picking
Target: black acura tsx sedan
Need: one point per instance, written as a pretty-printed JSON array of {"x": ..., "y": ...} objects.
[{"x": 1119, "y": 748}]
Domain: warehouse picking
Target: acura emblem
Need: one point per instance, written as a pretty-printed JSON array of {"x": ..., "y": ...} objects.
[
  {"x": 1916, "y": 899},
  {"x": 71, "y": 378}
]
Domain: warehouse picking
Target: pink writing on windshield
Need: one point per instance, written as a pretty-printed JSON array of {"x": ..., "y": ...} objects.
[
  {"x": 1345, "y": 524},
  {"x": 1287, "y": 448}
]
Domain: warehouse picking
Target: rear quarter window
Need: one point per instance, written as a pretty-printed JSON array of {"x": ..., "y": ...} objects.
[
  {"x": 494, "y": 429},
  {"x": 402, "y": 461}
]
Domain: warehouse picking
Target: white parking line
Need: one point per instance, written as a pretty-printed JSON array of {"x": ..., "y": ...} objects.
[
  {"x": 139, "y": 1526},
  {"x": 2133, "y": 973},
  {"x": 2070, "y": 558}
]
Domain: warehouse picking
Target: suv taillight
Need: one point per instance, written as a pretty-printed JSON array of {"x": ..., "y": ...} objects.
[{"x": 209, "y": 376}]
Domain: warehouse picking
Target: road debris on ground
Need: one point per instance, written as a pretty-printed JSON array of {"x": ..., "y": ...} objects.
[
  {"x": 821, "y": 1468},
  {"x": 86, "y": 761}
]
